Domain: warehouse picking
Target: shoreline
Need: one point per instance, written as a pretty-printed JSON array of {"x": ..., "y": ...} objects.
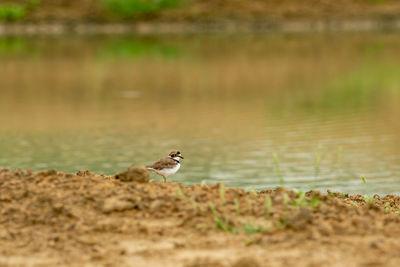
[
  {"x": 126, "y": 219},
  {"x": 148, "y": 28}
]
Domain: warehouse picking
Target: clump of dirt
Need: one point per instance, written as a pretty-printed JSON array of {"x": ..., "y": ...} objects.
[
  {"x": 134, "y": 174},
  {"x": 51, "y": 218}
]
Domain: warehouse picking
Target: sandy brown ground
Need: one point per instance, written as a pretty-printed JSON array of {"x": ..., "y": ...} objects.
[{"x": 53, "y": 218}]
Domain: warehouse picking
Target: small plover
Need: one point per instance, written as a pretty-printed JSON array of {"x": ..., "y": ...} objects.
[{"x": 167, "y": 166}]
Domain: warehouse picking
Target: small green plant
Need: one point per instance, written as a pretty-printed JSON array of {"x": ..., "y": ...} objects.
[
  {"x": 363, "y": 179},
  {"x": 300, "y": 200},
  {"x": 251, "y": 229},
  {"x": 286, "y": 200},
  {"x": 221, "y": 223},
  {"x": 186, "y": 199},
  {"x": 282, "y": 222},
  {"x": 387, "y": 207},
  {"x": 248, "y": 242},
  {"x": 132, "y": 8},
  {"x": 314, "y": 203},
  {"x": 12, "y": 12},
  {"x": 15, "y": 12},
  {"x": 278, "y": 168},
  {"x": 254, "y": 192},
  {"x": 369, "y": 200}
]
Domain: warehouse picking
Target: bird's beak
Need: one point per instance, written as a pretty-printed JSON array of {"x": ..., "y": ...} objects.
[{"x": 181, "y": 157}]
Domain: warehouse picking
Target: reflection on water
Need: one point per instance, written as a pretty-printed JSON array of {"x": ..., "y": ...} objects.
[{"x": 326, "y": 105}]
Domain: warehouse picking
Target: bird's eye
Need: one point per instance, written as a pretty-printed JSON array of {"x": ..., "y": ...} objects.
[{"x": 178, "y": 152}]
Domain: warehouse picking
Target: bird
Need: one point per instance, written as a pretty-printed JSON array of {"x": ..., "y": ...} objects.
[{"x": 167, "y": 166}]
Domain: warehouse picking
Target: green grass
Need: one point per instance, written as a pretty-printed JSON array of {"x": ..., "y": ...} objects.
[
  {"x": 369, "y": 200},
  {"x": 252, "y": 229},
  {"x": 387, "y": 207},
  {"x": 220, "y": 222},
  {"x": 132, "y": 8},
  {"x": 363, "y": 179},
  {"x": 278, "y": 168},
  {"x": 12, "y": 12}
]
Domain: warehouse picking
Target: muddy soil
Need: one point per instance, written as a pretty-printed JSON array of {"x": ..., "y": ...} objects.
[{"x": 53, "y": 218}]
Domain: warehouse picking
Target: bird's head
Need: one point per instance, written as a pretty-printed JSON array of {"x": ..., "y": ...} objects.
[{"x": 175, "y": 155}]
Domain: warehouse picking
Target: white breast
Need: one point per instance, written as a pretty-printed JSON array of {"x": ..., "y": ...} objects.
[{"x": 170, "y": 171}]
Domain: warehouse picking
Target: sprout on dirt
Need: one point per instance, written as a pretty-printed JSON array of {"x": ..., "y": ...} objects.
[
  {"x": 369, "y": 200},
  {"x": 387, "y": 207},
  {"x": 251, "y": 229},
  {"x": 299, "y": 201},
  {"x": 220, "y": 223},
  {"x": 286, "y": 200},
  {"x": 187, "y": 199},
  {"x": 315, "y": 201}
]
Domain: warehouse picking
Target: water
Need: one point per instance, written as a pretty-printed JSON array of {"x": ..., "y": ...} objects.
[{"x": 326, "y": 104}]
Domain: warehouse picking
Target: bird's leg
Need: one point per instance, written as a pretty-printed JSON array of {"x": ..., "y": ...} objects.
[{"x": 165, "y": 179}]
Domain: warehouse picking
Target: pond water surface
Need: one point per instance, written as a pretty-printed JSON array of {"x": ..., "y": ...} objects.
[{"x": 314, "y": 111}]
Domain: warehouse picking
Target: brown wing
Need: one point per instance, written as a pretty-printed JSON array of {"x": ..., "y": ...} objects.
[{"x": 163, "y": 163}]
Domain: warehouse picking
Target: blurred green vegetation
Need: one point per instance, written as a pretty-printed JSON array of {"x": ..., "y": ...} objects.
[
  {"x": 131, "y": 8},
  {"x": 11, "y": 12},
  {"x": 367, "y": 87}
]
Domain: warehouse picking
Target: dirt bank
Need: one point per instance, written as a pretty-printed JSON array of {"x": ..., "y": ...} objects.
[
  {"x": 51, "y": 218},
  {"x": 208, "y": 10},
  {"x": 91, "y": 16}
]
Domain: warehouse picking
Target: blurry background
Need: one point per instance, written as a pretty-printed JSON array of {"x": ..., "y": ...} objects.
[
  {"x": 327, "y": 105},
  {"x": 306, "y": 110}
]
